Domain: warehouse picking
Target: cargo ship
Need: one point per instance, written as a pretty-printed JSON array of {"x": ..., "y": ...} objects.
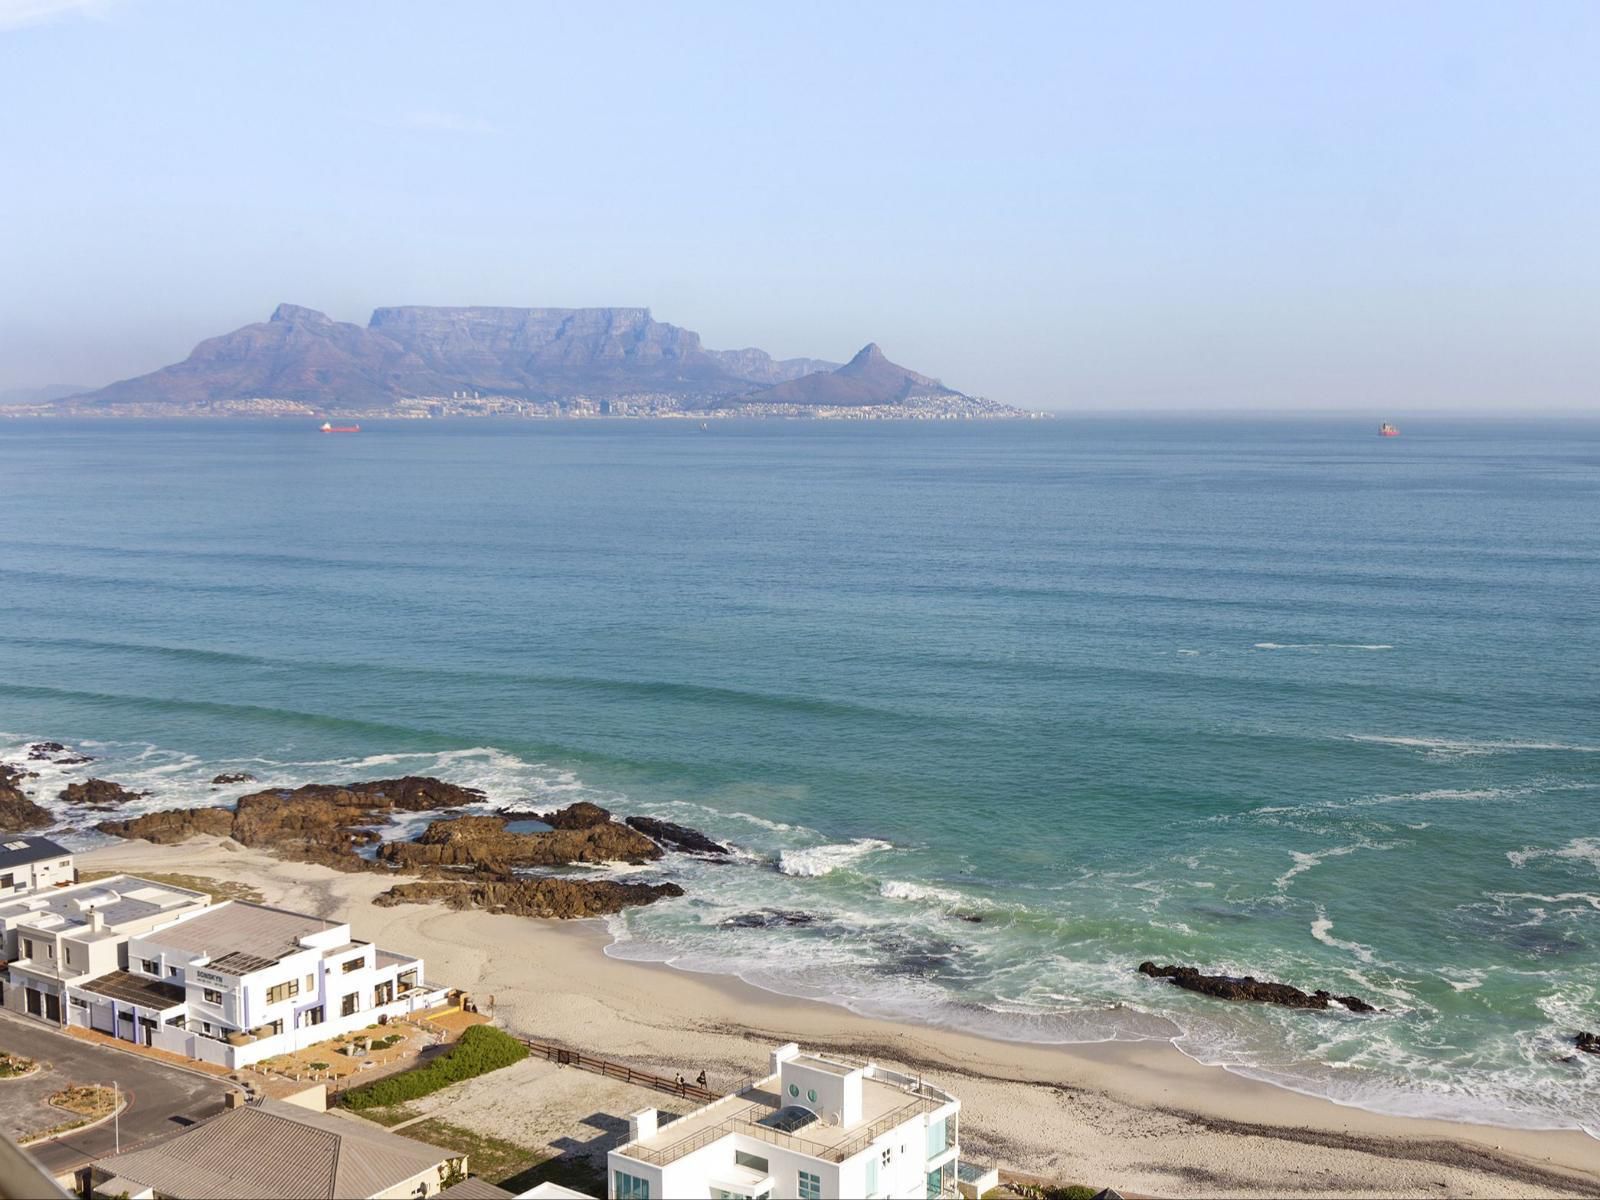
[
  {"x": 1384, "y": 430},
  {"x": 328, "y": 427}
]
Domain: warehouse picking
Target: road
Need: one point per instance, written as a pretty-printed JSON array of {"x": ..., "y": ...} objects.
[{"x": 161, "y": 1099}]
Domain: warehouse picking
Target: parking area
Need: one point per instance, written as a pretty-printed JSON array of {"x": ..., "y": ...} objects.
[{"x": 159, "y": 1099}]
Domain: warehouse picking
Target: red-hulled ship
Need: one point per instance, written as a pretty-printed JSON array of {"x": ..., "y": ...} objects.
[
  {"x": 1387, "y": 430},
  {"x": 328, "y": 427}
]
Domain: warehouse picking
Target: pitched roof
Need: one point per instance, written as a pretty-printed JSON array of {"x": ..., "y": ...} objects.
[
  {"x": 16, "y": 851},
  {"x": 269, "y": 1150},
  {"x": 474, "y": 1189}
]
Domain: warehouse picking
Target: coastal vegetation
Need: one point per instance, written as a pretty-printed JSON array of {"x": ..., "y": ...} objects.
[
  {"x": 217, "y": 889},
  {"x": 479, "y": 1050}
]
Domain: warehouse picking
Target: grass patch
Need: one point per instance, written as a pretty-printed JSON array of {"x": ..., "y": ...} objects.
[
  {"x": 480, "y": 1049},
  {"x": 13, "y": 1065},
  {"x": 217, "y": 889},
  {"x": 392, "y": 1115},
  {"x": 513, "y": 1167}
]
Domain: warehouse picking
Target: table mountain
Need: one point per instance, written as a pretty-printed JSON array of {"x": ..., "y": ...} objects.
[{"x": 530, "y": 353}]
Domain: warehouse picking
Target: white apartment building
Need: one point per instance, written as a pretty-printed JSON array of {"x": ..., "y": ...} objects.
[
  {"x": 815, "y": 1127},
  {"x": 238, "y": 982},
  {"x": 63, "y": 937},
  {"x": 31, "y": 864}
]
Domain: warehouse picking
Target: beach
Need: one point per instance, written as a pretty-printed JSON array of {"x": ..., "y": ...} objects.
[{"x": 1137, "y": 1116}]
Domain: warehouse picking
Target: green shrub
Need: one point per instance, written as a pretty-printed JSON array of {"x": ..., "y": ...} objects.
[{"x": 482, "y": 1048}]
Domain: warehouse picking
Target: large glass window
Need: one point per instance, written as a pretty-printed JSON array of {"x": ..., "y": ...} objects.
[
  {"x": 935, "y": 1181},
  {"x": 810, "y": 1186},
  {"x": 754, "y": 1161},
  {"x": 872, "y": 1175},
  {"x": 935, "y": 1137},
  {"x": 629, "y": 1187}
]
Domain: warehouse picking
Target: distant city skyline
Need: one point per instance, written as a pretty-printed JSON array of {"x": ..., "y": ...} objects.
[{"x": 1063, "y": 207}]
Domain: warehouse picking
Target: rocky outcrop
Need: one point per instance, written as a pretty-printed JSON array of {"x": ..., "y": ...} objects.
[
  {"x": 540, "y": 897},
  {"x": 55, "y": 752},
  {"x": 485, "y": 842},
  {"x": 866, "y": 380},
  {"x": 232, "y": 777},
  {"x": 172, "y": 825},
  {"x": 320, "y": 823},
  {"x": 98, "y": 793},
  {"x": 575, "y": 816},
  {"x": 678, "y": 837},
  {"x": 769, "y": 918},
  {"x": 1230, "y": 987},
  {"x": 1588, "y": 1041},
  {"x": 17, "y": 812}
]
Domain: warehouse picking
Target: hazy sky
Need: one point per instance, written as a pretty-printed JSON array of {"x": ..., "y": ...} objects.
[{"x": 1075, "y": 206}]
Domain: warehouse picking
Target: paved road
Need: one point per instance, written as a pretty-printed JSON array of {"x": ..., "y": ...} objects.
[{"x": 161, "y": 1099}]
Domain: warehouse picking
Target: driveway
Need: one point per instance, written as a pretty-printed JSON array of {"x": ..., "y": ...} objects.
[{"x": 161, "y": 1099}]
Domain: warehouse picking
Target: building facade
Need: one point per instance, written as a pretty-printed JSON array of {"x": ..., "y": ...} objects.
[
  {"x": 816, "y": 1127},
  {"x": 241, "y": 982},
  {"x": 31, "y": 864},
  {"x": 62, "y": 937}
]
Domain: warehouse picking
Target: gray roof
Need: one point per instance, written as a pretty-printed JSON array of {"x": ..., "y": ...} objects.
[
  {"x": 269, "y": 1150},
  {"x": 259, "y": 934},
  {"x": 135, "y": 989},
  {"x": 32, "y": 849},
  {"x": 474, "y": 1189},
  {"x": 119, "y": 900}
]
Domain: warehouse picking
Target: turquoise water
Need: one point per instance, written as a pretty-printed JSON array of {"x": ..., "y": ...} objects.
[{"x": 1275, "y": 697}]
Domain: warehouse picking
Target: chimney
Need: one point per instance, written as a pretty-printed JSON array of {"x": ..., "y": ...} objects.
[
  {"x": 781, "y": 1055},
  {"x": 641, "y": 1124},
  {"x": 235, "y": 1099},
  {"x": 97, "y": 921}
]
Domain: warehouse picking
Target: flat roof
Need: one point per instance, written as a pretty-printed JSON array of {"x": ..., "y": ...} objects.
[
  {"x": 120, "y": 900},
  {"x": 135, "y": 989},
  {"x": 884, "y": 1106},
  {"x": 240, "y": 937},
  {"x": 18, "y": 851}
]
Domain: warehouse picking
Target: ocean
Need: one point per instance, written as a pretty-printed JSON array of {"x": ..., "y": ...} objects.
[{"x": 1002, "y": 709}]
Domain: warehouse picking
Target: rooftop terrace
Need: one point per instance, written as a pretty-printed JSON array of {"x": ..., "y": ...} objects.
[{"x": 118, "y": 900}]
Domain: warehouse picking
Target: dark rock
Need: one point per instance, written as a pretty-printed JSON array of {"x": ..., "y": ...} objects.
[
  {"x": 541, "y": 897},
  {"x": 1229, "y": 987},
  {"x": 581, "y": 815},
  {"x": 1587, "y": 1041},
  {"x": 17, "y": 812},
  {"x": 55, "y": 752},
  {"x": 769, "y": 918},
  {"x": 678, "y": 837},
  {"x": 478, "y": 841},
  {"x": 98, "y": 793},
  {"x": 232, "y": 777},
  {"x": 172, "y": 825},
  {"x": 969, "y": 918}
]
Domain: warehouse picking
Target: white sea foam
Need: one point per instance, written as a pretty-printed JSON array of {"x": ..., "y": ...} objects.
[
  {"x": 821, "y": 860},
  {"x": 1583, "y": 849},
  {"x": 1467, "y": 747},
  {"x": 774, "y": 826},
  {"x": 899, "y": 889},
  {"x": 1322, "y": 646},
  {"x": 1304, "y": 861},
  {"x": 1321, "y": 929}
]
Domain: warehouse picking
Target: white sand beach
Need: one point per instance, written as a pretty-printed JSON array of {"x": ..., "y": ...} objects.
[{"x": 1140, "y": 1117}]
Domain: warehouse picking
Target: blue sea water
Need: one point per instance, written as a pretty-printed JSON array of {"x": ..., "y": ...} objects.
[{"x": 1007, "y": 708}]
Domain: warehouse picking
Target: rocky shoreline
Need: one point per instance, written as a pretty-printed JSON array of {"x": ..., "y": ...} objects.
[{"x": 1247, "y": 987}]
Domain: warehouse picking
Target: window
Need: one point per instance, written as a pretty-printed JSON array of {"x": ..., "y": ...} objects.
[
  {"x": 67, "y": 947},
  {"x": 754, "y": 1161},
  {"x": 150, "y": 966},
  {"x": 872, "y": 1175},
  {"x": 630, "y": 1188},
  {"x": 935, "y": 1184},
  {"x": 79, "y": 1002},
  {"x": 311, "y": 982},
  {"x": 275, "y": 1026},
  {"x": 349, "y": 1004},
  {"x": 172, "y": 972},
  {"x": 794, "y": 1090},
  {"x": 935, "y": 1137},
  {"x": 212, "y": 995},
  {"x": 352, "y": 964},
  {"x": 311, "y": 1016},
  {"x": 811, "y": 1095},
  {"x": 282, "y": 991},
  {"x": 6, "y": 881},
  {"x": 810, "y": 1186},
  {"x": 27, "y": 947}
]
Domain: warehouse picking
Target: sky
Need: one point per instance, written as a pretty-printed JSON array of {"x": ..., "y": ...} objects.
[{"x": 1069, "y": 206}]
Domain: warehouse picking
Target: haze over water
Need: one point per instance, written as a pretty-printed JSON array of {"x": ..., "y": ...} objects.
[{"x": 1270, "y": 696}]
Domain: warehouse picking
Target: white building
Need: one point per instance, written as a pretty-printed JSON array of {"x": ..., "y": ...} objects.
[
  {"x": 56, "y": 939},
  {"x": 815, "y": 1127},
  {"x": 238, "y": 982},
  {"x": 31, "y": 864}
]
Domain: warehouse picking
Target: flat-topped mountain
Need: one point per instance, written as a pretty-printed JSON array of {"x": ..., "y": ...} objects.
[{"x": 537, "y": 354}]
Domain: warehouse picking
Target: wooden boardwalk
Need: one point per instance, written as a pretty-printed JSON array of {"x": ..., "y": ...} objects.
[{"x": 614, "y": 1070}]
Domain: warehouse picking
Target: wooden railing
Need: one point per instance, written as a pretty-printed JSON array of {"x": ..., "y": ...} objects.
[{"x": 616, "y": 1070}]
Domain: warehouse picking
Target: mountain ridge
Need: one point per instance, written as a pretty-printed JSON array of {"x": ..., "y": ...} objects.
[{"x": 303, "y": 356}]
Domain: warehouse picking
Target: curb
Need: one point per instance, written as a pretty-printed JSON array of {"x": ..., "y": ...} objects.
[{"x": 127, "y": 1099}]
